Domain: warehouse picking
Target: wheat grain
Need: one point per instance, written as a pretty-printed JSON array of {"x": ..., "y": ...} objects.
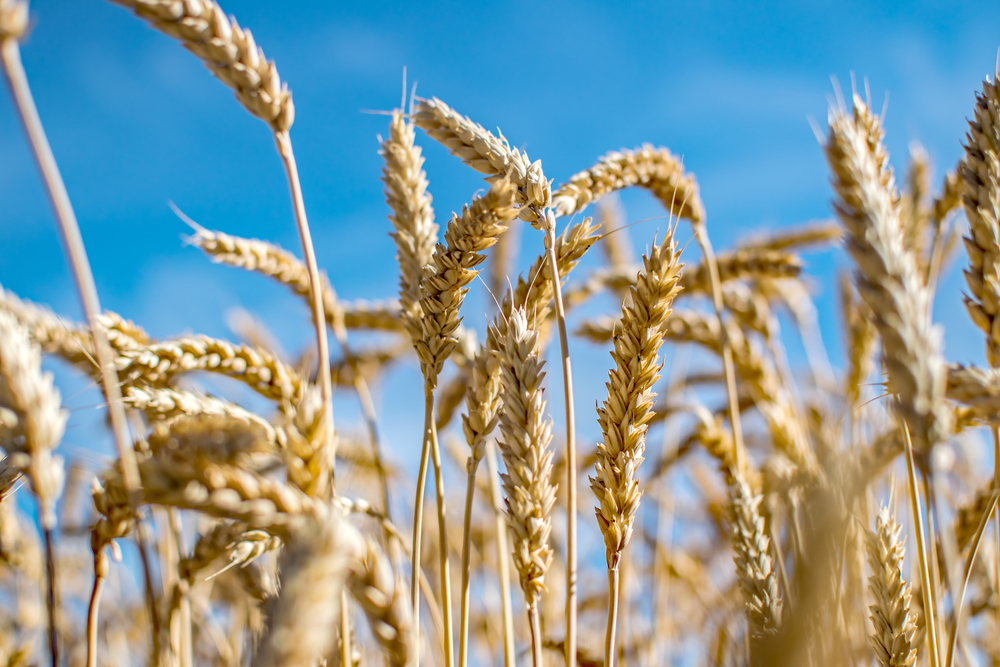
[
  {"x": 890, "y": 614},
  {"x": 887, "y": 275},
  {"x": 485, "y": 153},
  {"x": 980, "y": 176},
  {"x": 655, "y": 169}
]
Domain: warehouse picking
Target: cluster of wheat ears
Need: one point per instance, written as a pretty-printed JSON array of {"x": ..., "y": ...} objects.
[{"x": 275, "y": 539}]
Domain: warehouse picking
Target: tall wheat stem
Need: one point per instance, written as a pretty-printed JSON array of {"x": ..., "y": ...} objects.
[
  {"x": 930, "y": 604},
  {"x": 536, "y": 634},
  {"x": 418, "y": 509},
  {"x": 17, "y": 80},
  {"x": 503, "y": 554},
  {"x": 463, "y": 630},
  {"x": 284, "y": 144},
  {"x": 610, "y": 640},
  {"x": 571, "y": 466},
  {"x": 701, "y": 233},
  {"x": 100, "y": 576}
]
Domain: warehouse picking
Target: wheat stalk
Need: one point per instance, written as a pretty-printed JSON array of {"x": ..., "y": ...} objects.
[
  {"x": 526, "y": 435},
  {"x": 890, "y": 614},
  {"x": 887, "y": 275}
]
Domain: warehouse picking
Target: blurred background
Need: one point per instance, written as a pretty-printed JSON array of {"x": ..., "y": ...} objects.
[{"x": 135, "y": 122}]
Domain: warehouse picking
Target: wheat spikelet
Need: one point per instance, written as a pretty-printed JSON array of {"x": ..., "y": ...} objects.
[
  {"x": 32, "y": 422},
  {"x": 445, "y": 281},
  {"x": 482, "y": 151},
  {"x": 526, "y": 448},
  {"x": 751, "y": 553},
  {"x": 412, "y": 216},
  {"x": 980, "y": 176},
  {"x": 626, "y": 412},
  {"x": 890, "y": 615},
  {"x": 888, "y": 278},
  {"x": 653, "y": 168},
  {"x": 314, "y": 566},
  {"x": 229, "y": 52}
]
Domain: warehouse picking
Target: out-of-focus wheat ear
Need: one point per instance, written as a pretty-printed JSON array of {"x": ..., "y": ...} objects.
[
  {"x": 412, "y": 218},
  {"x": 914, "y": 213},
  {"x": 616, "y": 246},
  {"x": 526, "y": 449},
  {"x": 887, "y": 276},
  {"x": 31, "y": 425},
  {"x": 381, "y": 595},
  {"x": 655, "y": 169},
  {"x": 980, "y": 183},
  {"x": 751, "y": 553},
  {"x": 862, "y": 340},
  {"x": 314, "y": 568},
  {"x": 485, "y": 153},
  {"x": 892, "y": 621}
]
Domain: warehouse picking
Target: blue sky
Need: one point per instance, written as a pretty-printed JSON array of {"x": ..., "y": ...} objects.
[{"x": 135, "y": 121}]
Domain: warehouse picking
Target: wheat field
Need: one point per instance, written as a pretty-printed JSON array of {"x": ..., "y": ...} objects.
[{"x": 741, "y": 512}]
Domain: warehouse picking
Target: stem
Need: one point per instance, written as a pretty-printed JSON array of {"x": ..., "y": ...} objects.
[
  {"x": 727, "y": 349},
  {"x": 571, "y": 465},
  {"x": 503, "y": 554},
  {"x": 50, "y": 596},
  {"x": 610, "y": 643},
  {"x": 463, "y": 632},
  {"x": 969, "y": 562},
  {"x": 536, "y": 633},
  {"x": 345, "y": 632},
  {"x": 449, "y": 657},
  {"x": 154, "y": 612},
  {"x": 79, "y": 263},
  {"x": 100, "y": 576},
  {"x": 284, "y": 143},
  {"x": 930, "y": 603},
  {"x": 418, "y": 514}
]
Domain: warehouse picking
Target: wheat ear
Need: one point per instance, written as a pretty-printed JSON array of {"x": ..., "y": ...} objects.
[
  {"x": 526, "y": 435},
  {"x": 655, "y": 169},
  {"x": 31, "y": 426},
  {"x": 485, "y": 153},
  {"x": 980, "y": 187},
  {"x": 625, "y": 414},
  {"x": 890, "y": 614},
  {"x": 887, "y": 277},
  {"x": 751, "y": 553},
  {"x": 232, "y": 55}
]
